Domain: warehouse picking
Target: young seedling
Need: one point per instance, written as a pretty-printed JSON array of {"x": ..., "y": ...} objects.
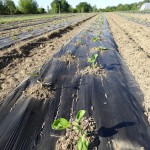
[
  {"x": 102, "y": 48},
  {"x": 79, "y": 42},
  {"x": 34, "y": 74},
  {"x": 101, "y": 21},
  {"x": 62, "y": 123},
  {"x": 96, "y": 39},
  {"x": 93, "y": 60},
  {"x": 14, "y": 37},
  {"x": 30, "y": 30}
]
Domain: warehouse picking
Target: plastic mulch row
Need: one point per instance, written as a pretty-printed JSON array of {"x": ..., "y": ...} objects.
[
  {"x": 25, "y": 122},
  {"x": 7, "y": 41}
]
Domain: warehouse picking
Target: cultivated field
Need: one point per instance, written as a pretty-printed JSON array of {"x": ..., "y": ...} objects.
[
  {"x": 133, "y": 41},
  {"x": 90, "y": 69},
  {"x": 143, "y": 19}
]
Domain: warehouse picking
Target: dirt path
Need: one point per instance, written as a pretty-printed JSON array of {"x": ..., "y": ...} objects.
[
  {"x": 24, "y": 58},
  {"x": 133, "y": 41}
]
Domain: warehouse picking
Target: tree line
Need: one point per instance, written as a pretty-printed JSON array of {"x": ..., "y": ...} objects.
[
  {"x": 8, "y": 7},
  {"x": 125, "y": 7}
]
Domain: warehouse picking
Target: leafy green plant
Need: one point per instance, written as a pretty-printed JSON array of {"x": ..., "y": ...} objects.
[
  {"x": 93, "y": 60},
  {"x": 62, "y": 123}
]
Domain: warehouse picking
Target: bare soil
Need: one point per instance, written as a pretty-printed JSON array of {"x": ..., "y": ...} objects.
[
  {"x": 37, "y": 91},
  {"x": 23, "y": 58},
  {"x": 142, "y": 17},
  {"x": 133, "y": 42}
]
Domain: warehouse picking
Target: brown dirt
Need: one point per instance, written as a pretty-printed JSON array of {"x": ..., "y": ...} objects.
[
  {"x": 93, "y": 71},
  {"x": 142, "y": 17},
  {"x": 25, "y": 57},
  {"x": 38, "y": 91},
  {"x": 133, "y": 42},
  {"x": 68, "y": 58}
]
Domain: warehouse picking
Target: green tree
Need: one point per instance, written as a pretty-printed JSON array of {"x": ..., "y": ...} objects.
[
  {"x": 83, "y": 7},
  {"x": 55, "y": 6},
  {"x": 1, "y": 8},
  {"x": 10, "y": 7},
  {"x": 146, "y": 1},
  {"x": 28, "y": 6},
  {"x": 63, "y": 4},
  {"x": 94, "y": 8},
  {"x": 134, "y": 6},
  {"x": 41, "y": 10},
  {"x": 72, "y": 10}
]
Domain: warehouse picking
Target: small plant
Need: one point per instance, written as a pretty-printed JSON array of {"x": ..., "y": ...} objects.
[
  {"x": 30, "y": 30},
  {"x": 14, "y": 37},
  {"x": 34, "y": 74},
  {"x": 101, "y": 21},
  {"x": 79, "y": 42},
  {"x": 102, "y": 48},
  {"x": 93, "y": 60},
  {"x": 96, "y": 39},
  {"x": 62, "y": 123}
]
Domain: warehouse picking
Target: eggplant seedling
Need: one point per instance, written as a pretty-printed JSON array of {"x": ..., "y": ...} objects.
[
  {"x": 62, "y": 123},
  {"x": 93, "y": 60}
]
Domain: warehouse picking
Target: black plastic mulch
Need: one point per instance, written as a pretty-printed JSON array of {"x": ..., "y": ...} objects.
[
  {"x": 9, "y": 40},
  {"x": 113, "y": 99}
]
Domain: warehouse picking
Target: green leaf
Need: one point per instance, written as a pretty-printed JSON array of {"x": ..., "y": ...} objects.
[
  {"x": 95, "y": 56},
  {"x": 80, "y": 115},
  {"x": 102, "y": 48},
  {"x": 60, "y": 124},
  {"x": 76, "y": 128},
  {"x": 90, "y": 60},
  {"x": 82, "y": 144}
]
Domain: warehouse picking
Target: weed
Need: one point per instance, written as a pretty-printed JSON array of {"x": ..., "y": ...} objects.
[
  {"x": 62, "y": 123},
  {"x": 93, "y": 60},
  {"x": 34, "y": 74}
]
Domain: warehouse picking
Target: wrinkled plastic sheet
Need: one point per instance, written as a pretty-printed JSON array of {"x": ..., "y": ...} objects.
[
  {"x": 7, "y": 41},
  {"x": 25, "y": 122}
]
